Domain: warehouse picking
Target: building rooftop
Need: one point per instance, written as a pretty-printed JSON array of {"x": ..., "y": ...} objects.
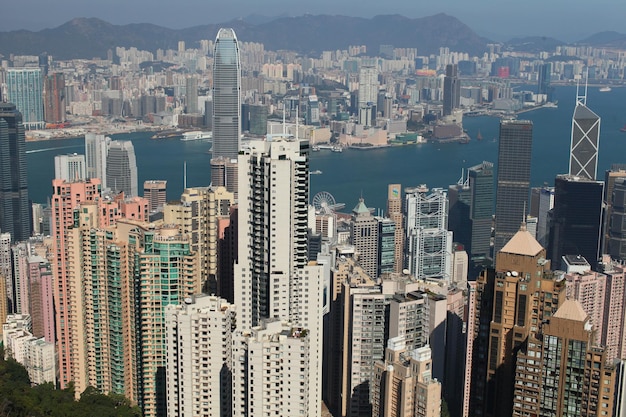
[
  {"x": 571, "y": 310},
  {"x": 522, "y": 243}
]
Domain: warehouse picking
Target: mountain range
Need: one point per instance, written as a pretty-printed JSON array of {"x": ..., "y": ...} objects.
[{"x": 308, "y": 34}]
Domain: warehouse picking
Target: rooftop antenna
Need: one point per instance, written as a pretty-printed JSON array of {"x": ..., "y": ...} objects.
[
  {"x": 461, "y": 180},
  {"x": 297, "y": 122},
  {"x": 184, "y": 175},
  {"x": 582, "y": 99},
  {"x": 523, "y": 226},
  {"x": 284, "y": 116}
]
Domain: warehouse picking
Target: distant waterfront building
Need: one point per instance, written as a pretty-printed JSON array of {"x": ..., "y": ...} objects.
[
  {"x": 25, "y": 90},
  {"x": 226, "y": 110},
  {"x": 544, "y": 79},
  {"x": 585, "y": 141},
  {"x": 451, "y": 90},
  {"x": 156, "y": 193},
  {"x": 368, "y": 85},
  {"x": 191, "y": 95},
  {"x": 121, "y": 168},
  {"x": 96, "y": 148},
  {"x": 14, "y": 205},
  {"x": 226, "y": 95},
  {"x": 513, "y": 183},
  {"x": 70, "y": 167},
  {"x": 54, "y": 98}
]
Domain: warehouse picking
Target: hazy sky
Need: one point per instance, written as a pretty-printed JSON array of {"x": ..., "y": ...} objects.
[{"x": 565, "y": 19}]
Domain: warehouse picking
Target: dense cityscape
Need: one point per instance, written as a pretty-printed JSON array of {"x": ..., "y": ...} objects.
[{"x": 249, "y": 295}]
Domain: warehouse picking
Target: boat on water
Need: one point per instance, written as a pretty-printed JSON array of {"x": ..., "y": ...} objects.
[
  {"x": 315, "y": 148},
  {"x": 337, "y": 149},
  {"x": 166, "y": 134},
  {"x": 551, "y": 105},
  {"x": 623, "y": 129},
  {"x": 479, "y": 136},
  {"x": 196, "y": 135},
  {"x": 316, "y": 172},
  {"x": 604, "y": 89}
]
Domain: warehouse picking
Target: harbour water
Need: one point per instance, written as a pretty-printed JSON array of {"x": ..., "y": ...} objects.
[{"x": 351, "y": 174}]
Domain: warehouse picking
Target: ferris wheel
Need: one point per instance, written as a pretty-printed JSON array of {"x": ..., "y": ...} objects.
[{"x": 324, "y": 202}]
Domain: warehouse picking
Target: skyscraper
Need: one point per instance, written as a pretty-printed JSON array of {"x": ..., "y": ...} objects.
[
  {"x": 561, "y": 371},
  {"x": 54, "y": 98},
  {"x": 96, "y": 157},
  {"x": 14, "y": 207},
  {"x": 428, "y": 241},
  {"x": 191, "y": 96},
  {"x": 481, "y": 210},
  {"x": 275, "y": 283},
  {"x": 576, "y": 219},
  {"x": 25, "y": 87},
  {"x": 70, "y": 167},
  {"x": 394, "y": 212},
  {"x": 513, "y": 184},
  {"x": 544, "y": 78},
  {"x": 226, "y": 95},
  {"x": 121, "y": 168},
  {"x": 364, "y": 237},
  {"x": 156, "y": 193},
  {"x": 525, "y": 295},
  {"x": 617, "y": 222},
  {"x": 451, "y": 90},
  {"x": 585, "y": 140}
]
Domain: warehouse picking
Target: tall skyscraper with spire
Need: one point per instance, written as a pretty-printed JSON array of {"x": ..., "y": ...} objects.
[
  {"x": 226, "y": 108},
  {"x": 14, "y": 207},
  {"x": 583, "y": 160}
]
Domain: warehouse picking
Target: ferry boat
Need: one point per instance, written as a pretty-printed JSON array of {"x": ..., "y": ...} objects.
[
  {"x": 196, "y": 135},
  {"x": 337, "y": 149},
  {"x": 604, "y": 89}
]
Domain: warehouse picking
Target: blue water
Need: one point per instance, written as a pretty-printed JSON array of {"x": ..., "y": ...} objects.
[{"x": 352, "y": 174}]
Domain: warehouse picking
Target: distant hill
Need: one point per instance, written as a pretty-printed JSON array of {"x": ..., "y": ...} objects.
[
  {"x": 533, "y": 44},
  {"x": 91, "y": 37},
  {"x": 607, "y": 39}
]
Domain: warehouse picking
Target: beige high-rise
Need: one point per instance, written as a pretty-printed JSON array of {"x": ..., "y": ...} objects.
[{"x": 403, "y": 385}]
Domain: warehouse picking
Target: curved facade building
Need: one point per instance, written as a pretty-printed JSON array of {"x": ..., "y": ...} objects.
[{"x": 226, "y": 95}]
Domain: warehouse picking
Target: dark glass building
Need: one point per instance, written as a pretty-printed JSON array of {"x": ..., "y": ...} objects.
[
  {"x": 14, "y": 205},
  {"x": 576, "y": 219},
  {"x": 513, "y": 183},
  {"x": 617, "y": 221},
  {"x": 481, "y": 210},
  {"x": 544, "y": 87},
  {"x": 451, "y": 90}
]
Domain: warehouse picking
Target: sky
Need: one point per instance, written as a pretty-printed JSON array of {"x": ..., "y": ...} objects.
[{"x": 566, "y": 20}]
